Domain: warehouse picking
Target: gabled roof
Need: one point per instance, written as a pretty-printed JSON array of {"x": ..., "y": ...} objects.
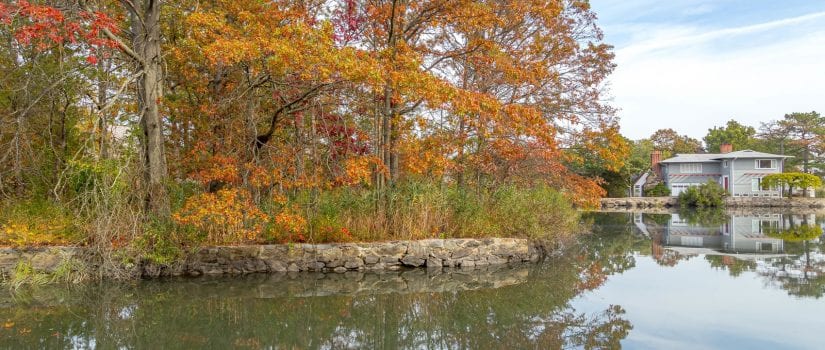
[
  {"x": 750, "y": 154},
  {"x": 715, "y": 157},
  {"x": 694, "y": 158},
  {"x": 641, "y": 179}
]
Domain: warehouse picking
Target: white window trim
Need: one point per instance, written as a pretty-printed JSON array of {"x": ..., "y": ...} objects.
[
  {"x": 690, "y": 168},
  {"x": 774, "y": 164}
]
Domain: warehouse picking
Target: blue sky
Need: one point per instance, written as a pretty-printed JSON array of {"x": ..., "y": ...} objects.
[{"x": 694, "y": 64}]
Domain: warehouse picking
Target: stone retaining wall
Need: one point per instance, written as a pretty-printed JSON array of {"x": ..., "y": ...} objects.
[
  {"x": 342, "y": 257},
  {"x": 639, "y": 203},
  {"x": 632, "y": 203},
  {"x": 42, "y": 259},
  {"x": 772, "y": 202}
]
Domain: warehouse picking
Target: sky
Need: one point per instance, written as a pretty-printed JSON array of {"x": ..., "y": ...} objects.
[{"x": 691, "y": 65}]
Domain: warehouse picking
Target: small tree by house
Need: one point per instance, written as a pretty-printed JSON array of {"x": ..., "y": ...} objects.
[{"x": 791, "y": 181}]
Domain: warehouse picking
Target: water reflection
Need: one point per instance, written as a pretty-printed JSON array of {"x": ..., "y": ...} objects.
[
  {"x": 638, "y": 280},
  {"x": 786, "y": 249},
  {"x": 524, "y": 307},
  {"x": 732, "y": 233}
]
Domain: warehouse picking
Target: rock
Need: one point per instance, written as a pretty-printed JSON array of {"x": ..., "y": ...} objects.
[
  {"x": 353, "y": 263},
  {"x": 277, "y": 266},
  {"x": 413, "y": 261},
  {"x": 371, "y": 259},
  {"x": 391, "y": 249},
  {"x": 46, "y": 261},
  {"x": 389, "y": 260},
  {"x": 340, "y": 269},
  {"x": 434, "y": 263},
  {"x": 328, "y": 254},
  {"x": 460, "y": 253}
]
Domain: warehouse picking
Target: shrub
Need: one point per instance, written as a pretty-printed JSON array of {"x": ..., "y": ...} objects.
[
  {"x": 226, "y": 217},
  {"x": 660, "y": 190},
  {"x": 706, "y": 195},
  {"x": 37, "y": 222}
]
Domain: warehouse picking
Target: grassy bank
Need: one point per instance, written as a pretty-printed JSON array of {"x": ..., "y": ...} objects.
[{"x": 409, "y": 211}]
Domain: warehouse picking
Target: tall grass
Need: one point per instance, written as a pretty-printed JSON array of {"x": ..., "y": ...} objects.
[{"x": 417, "y": 210}]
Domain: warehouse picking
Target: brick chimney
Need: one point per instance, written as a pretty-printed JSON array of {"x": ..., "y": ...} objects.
[
  {"x": 655, "y": 158},
  {"x": 725, "y": 148}
]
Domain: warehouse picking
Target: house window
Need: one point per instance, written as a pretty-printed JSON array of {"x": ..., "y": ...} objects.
[
  {"x": 765, "y": 226},
  {"x": 755, "y": 184},
  {"x": 766, "y": 164},
  {"x": 725, "y": 164},
  {"x": 690, "y": 168}
]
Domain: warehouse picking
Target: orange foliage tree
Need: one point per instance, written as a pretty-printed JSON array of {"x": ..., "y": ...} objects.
[{"x": 261, "y": 100}]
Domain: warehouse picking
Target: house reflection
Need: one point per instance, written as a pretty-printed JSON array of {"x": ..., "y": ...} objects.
[{"x": 735, "y": 233}]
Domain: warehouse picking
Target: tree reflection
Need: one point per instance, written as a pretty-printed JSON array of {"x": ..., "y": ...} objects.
[
  {"x": 803, "y": 276},
  {"x": 734, "y": 266},
  {"x": 525, "y": 307}
]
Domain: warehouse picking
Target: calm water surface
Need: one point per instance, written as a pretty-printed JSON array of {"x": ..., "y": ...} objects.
[{"x": 667, "y": 281}]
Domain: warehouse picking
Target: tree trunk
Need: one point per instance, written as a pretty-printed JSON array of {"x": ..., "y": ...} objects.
[
  {"x": 18, "y": 158},
  {"x": 146, "y": 40},
  {"x": 102, "y": 121}
]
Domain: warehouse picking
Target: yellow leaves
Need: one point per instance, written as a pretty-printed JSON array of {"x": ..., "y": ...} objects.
[
  {"x": 33, "y": 223},
  {"x": 220, "y": 168},
  {"x": 290, "y": 225},
  {"x": 359, "y": 170},
  {"x": 227, "y": 216},
  {"x": 26, "y": 234},
  {"x": 494, "y": 80}
]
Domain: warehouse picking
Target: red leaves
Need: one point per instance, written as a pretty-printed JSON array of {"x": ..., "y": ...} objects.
[
  {"x": 46, "y": 26},
  {"x": 5, "y": 13},
  {"x": 344, "y": 139},
  {"x": 347, "y": 22}
]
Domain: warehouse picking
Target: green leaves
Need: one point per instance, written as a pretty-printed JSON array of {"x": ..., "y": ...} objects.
[
  {"x": 792, "y": 180},
  {"x": 738, "y": 135},
  {"x": 707, "y": 195}
]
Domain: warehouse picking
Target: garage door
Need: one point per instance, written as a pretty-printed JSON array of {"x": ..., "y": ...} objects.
[{"x": 676, "y": 189}]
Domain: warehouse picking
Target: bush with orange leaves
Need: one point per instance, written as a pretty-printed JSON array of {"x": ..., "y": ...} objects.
[
  {"x": 228, "y": 216},
  {"x": 290, "y": 226}
]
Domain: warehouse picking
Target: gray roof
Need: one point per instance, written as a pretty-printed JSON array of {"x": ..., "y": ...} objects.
[
  {"x": 715, "y": 157},
  {"x": 694, "y": 158},
  {"x": 750, "y": 154}
]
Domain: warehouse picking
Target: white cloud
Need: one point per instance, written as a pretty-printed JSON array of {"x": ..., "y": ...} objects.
[
  {"x": 690, "y": 80},
  {"x": 671, "y": 38}
]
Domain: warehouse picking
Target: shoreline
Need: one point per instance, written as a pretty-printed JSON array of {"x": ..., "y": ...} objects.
[
  {"x": 634, "y": 203},
  {"x": 281, "y": 258}
]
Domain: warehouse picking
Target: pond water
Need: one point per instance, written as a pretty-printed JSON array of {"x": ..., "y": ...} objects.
[{"x": 647, "y": 281}]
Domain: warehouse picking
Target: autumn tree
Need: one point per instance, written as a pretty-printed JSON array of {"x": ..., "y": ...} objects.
[
  {"x": 670, "y": 142},
  {"x": 253, "y": 111},
  {"x": 80, "y": 25}
]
